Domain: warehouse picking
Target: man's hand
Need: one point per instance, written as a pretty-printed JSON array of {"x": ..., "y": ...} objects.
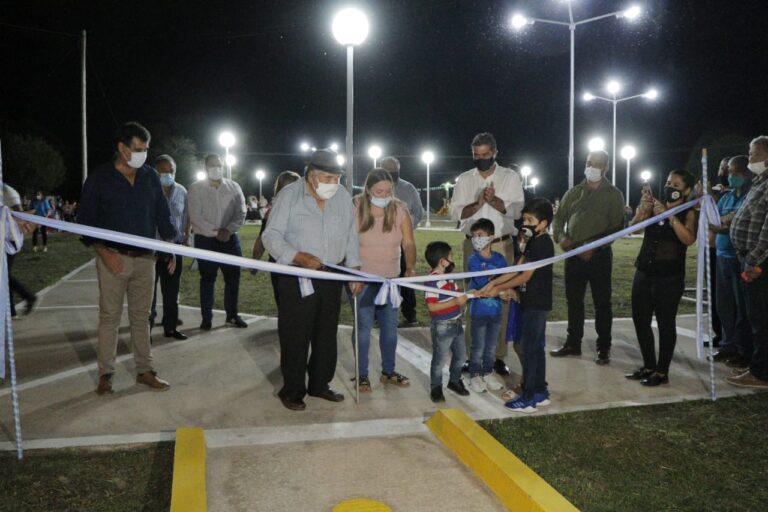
[
  {"x": 566, "y": 244},
  {"x": 586, "y": 256},
  {"x": 112, "y": 260},
  {"x": 489, "y": 193},
  {"x": 510, "y": 294},
  {"x": 355, "y": 288},
  {"x": 222, "y": 235},
  {"x": 306, "y": 260},
  {"x": 171, "y": 264},
  {"x": 750, "y": 273}
]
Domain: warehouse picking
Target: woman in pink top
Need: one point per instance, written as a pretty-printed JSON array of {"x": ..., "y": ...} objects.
[{"x": 384, "y": 229}]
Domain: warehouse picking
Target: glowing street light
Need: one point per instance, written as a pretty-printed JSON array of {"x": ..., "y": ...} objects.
[
  {"x": 596, "y": 144},
  {"x": 613, "y": 87},
  {"x": 350, "y": 28},
  {"x": 304, "y": 146},
  {"x": 646, "y": 176},
  {"x": 428, "y": 157},
  {"x": 201, "y": 175},
  {"x": 525, "y": 171},
  {"x": 534, "y": 183},
  {"x": 260, "y": 175},
  {"x": 519, "y": 22},
  {"x": 227, "y": 139},
  {"x": 340, "y": 160},
  {"x": 334, "y": 146},
  {"x": 375, "y": 153},
  {"x": 628, "y": 153}
]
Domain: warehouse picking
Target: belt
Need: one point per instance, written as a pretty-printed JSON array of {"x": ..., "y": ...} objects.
[
  {"x": 131, "y": 253},
  {"x": 502, "y": 238},
  {"x": 456, "y": 320}
]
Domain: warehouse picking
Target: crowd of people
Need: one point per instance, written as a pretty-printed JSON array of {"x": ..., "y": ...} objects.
[{"x": 315, "y": 223}]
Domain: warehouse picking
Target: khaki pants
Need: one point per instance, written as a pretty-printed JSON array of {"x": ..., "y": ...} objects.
[
  {"x": 507, "y": 248},
  {"x": 137, "y": 281}
]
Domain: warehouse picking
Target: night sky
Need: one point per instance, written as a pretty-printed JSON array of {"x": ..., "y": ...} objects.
[{"x": 430, "y": 75}]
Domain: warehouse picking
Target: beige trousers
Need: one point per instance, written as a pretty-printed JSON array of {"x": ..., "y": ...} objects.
[
  {"x": 507, "y": 248},
  {"x": 137, "y": 280}
]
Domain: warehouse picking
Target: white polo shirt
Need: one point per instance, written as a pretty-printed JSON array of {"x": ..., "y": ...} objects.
[{"x": 508, "y": 188}]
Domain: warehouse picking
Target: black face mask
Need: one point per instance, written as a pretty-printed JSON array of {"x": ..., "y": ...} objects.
[
  {"x": 483, "y": 164},
  {"x": 529, "y": 230},
  {"x": 450, "y": 267},
  {"x": 671, "y": 194}
]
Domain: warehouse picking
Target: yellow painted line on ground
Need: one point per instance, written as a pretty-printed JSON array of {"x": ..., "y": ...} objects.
[
  {"x": 188, "y": 491},
  {"x": 516, "y": 485},
  {"x": 361, "y": 505}
]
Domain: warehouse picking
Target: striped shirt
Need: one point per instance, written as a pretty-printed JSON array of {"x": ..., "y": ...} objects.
[
  {"x": 449, "y": 312},
  {"x": 749, "y": 228}
]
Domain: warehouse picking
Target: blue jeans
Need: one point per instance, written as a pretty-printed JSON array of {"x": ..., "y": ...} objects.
[
  {"x": 446, "y": 336},
  {"x": 732, "y": 307},
  {"x": 532, "y": 342},
  {"x": 367, "y": 312},
  {"x": 485, "y": 336},
  {"x": 208, "y": 271}
]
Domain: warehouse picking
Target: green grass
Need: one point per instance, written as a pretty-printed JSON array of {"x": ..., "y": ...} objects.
[
  {"x": 93, "y": 480},
  {"x": 40, "y": 269},
  {"x": 691, "y": 456}
]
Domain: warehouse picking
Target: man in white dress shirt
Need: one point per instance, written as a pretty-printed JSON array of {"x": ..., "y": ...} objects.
[
  {"x": 216, "y": 213},
  {"x": 492, "y": 192}
]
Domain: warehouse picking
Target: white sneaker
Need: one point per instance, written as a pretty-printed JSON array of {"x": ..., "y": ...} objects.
[
  {"x": 34, "y": 249},
  {"x": 492, "y": 382},
  {"x": 477, "y": 384},
  {"x": 45, "y": 248}
]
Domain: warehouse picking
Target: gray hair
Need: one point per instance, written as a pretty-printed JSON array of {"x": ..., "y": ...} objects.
[
  {"x": 166, "y": 158},
  {"x": 483, "y": 139},
  {"x": 762, "y": 140},
  {"x": 390, "y": 164}
]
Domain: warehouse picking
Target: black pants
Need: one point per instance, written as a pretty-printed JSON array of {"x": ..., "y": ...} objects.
[
  {"x": 408, "y": 307},
  {"x": 757, "y": 309},
  {"x": 660, "y": 296},
  {"x": 15, "y": 286},
  {"x": 304, "y": 322},
  {"x": 209, "y": 270},
  {"x": 44, "y": 232},
  {"x": 717, "y": 327},
  {"x": 169, "y": 287},
  {"x": 597, "y": 273}
]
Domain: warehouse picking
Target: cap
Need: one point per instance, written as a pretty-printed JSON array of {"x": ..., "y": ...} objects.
[{"x": 326, "y": 160}]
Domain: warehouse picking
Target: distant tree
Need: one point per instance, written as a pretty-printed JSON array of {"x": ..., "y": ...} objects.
[
  {"x": 31, "y": 164},
  {"x": 183, "y": 150}
]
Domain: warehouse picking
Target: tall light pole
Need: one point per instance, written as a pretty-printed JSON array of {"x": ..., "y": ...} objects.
[
  {"x": 613, "y": 87},
  {"x": 230, "y": 162},
  {"x": 227, "y": 139},
  {"x": 260, "y": 175},
  {"x": 428, "y": 157},
  {"x": 534, "y": 183},
  {"x": 350, "y": 28},
  {"x": 628, "y": 153},
  {"x": 519, "y": 22},
  {"x": 375, "y": 153},
  {"x": 525, "y": 171}
]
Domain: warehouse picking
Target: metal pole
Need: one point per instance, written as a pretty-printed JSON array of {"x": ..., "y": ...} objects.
[
  {"x": 350, "y": 117},
  {"x": 570, "y": 141},
  {"x": 357, "y": 346},
  {"x": 226, "y": 162},
  {"x": 259, "y": 189},
  {"x": 428, "y": 224},
  {"x": 708, "y": 270},
  {"x": 613, "y": 151},
  {"x": 628, "y": 160},
  {"x": 83, "y": 111}
]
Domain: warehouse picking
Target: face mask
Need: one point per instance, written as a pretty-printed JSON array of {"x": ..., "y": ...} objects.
[
  {"x": 166, "y": 179},
  {"x": 479, "y": 242},
  {"x": 671, "y": 194},
  {"x": 593, "y": 174},
  {"x": 483, "y": 164},
  {"x": 757, "y": 167},
  {"x": 450, "y": 267},
  {"x": 326, "y": 190},
  {"x": 381, "y": 202},
  {"x": 137, "y": 159},
  {"x": 216, "y": 173},
  {"x": 529, "y": 230},
  {"x": 735, "y": 181}
]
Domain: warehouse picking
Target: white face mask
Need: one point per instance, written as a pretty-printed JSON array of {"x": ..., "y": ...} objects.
[
  {"x": 137, "y": 159},
  {"x": 381, "y": 202},
  {"x": 593, "y": 174},
  {"x": 216, "y": 173},
  {"x": 757, "y": 167},
  {"x": 326, "y": 190},
  {"x": 480, "y": 242}
]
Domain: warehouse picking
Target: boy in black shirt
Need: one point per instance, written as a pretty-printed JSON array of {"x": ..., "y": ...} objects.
[{"x": 533, "y": 289}]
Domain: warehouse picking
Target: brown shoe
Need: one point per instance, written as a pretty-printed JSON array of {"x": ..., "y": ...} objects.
[
  {"x": 151, "y": 379},
  {"x": 105, "y": 384},
  {"x": 747, "y": 380}
]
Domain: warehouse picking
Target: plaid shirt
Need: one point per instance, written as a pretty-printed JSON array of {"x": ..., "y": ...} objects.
[{"x": 749, "y": 228}]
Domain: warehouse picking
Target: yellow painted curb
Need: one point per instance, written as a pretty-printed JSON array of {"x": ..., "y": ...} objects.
[
  {"x": 517, "y": 486},
  {"x": 361, "y": 505},
  {"x": 188, "y": 491}
]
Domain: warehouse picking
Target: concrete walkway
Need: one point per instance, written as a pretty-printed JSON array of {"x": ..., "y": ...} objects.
[{"x": 225, "y": 381}]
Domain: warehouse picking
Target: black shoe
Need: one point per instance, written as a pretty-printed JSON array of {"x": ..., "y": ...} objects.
[
  {"x": 206, "y": 325},
  {"x": 603, "y": 357},
  {"x": 329, "y": 395},
  {"x": 294, "y": 406},
  {"x": 236, "y": 321},
  {"x": 465, "y": 367},
  {"x": 30, "y": 306},
  {"x": 721, "y": 356},
  {"x": 436, "y": 395},
  {"x": 655, "y": 379},
  {"x": 737, "y": 361},
  {"x": 566, "y": 350},
  {"x": 640, "y": 374},
  {"x": 175, "y": 334},
  {"x": 458, "y": 388},
  {"x": 179, "y": 322},
  {"x": 500, "y": 367},
  {"x": 405, "y": 324}
]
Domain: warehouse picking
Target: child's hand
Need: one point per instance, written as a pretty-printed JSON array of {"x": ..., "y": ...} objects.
[{"x": 461, "y": 300}]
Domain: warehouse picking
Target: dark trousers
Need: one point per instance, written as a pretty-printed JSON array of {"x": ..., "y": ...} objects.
[
  {"x": 597, "y": 273},
  {"x": 757, "y": 309},
  {"x": 209, "y": 270},
  {"x": 169, "y": 287},
  {"x": 660, "y": 296},
  {"x": 532, "y": 342},
  {"x": 43, "y": 232},
  {"x": 732, "y": 304},
  {"x": 717, "y": 325},
  {"x": 408, "y": 307},
  {"x": 15, "y": 286},
  {"x": 303, "y": 323}
]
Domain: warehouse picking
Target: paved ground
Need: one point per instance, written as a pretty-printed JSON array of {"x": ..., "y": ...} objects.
[{"x": 225, "y": 382}]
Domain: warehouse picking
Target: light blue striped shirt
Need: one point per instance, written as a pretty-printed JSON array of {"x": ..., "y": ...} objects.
[{"x": 177, "y": 203}]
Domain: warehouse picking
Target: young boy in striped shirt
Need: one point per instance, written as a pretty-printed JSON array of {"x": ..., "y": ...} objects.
[{"x": 446, "y": 329}]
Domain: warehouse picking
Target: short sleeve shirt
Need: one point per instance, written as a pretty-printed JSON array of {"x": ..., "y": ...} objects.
[{"x": 537, "y": 294}]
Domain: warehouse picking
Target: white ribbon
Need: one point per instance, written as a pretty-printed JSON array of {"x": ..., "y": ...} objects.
[
  {"x": 709, "y": 215},
  {"x": 12, "y": 239}
]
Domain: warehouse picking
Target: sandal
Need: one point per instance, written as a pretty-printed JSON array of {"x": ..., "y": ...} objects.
[
  {"x": 395, "y": 378},
  {"x": 364, "y": 385}
]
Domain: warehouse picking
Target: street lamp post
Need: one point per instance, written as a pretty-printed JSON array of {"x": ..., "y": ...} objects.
[
  {"x": 519, "y": 22},
  {"x": 534, "y": 183},
  {"x": 260, "y": 175},
  {"x": 596, "y": 144},
  {"x": 428, "y": 157},
  {"x": 628, "y": 153},
  {"x": 227, "y": 139},
  {"x": 375, "y": 153},
  {"x": 350, "y": 28},
  {"x": 613, "y": 87},
  {"x": 525, "y": 171}
]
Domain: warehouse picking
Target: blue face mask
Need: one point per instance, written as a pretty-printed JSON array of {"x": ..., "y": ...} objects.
[
  {"x": 166, "y": 179},
  {"x": 735, "y": 181},
  {"x": 381, "y": 202}
]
